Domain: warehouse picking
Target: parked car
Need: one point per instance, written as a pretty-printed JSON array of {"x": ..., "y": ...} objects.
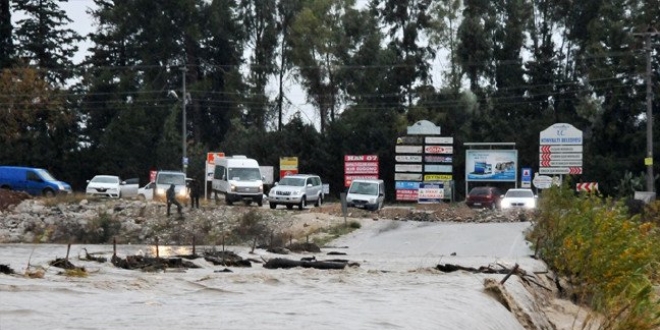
[
  {"x": 484, "y": 197},
  {"x": 518, "y": 198},
  {"x": 111, "y": 186},
  {"x": 366, "y": 193},
  {"x": 164, "y": 179},
  {"x": 34, "y": 181},
  {"x": 146, "y": 193},
  {"x": 296, "y": 189}
]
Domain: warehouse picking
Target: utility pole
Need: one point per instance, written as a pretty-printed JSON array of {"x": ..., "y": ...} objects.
[
  {"x": 184, "y": 158},
  {"x": 648, "y": 161},
  {"x": 649, "y": 117}
]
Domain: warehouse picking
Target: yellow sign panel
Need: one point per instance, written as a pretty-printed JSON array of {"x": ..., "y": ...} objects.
[
  {"x": 437, "y": 177},
  {"x": 648, "y": 161},
  {"x": 288, "y": 163}
]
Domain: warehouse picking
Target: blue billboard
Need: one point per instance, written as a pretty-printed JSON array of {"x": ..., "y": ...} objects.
[{"x": 491, "y": 165}]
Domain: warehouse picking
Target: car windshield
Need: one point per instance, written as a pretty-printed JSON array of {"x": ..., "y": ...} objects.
[
  {"x": 292, "y": 181},
  {"x": 244, "y": 174},
  {"x": 46, "y": 175},
  {"x": 519, "y": 193},
  {"x": 479, "y": 192},
  {"x": 105, "y": 179},
  {"x": 171, "y": 178},
  {"x": 364, "y": 188}
]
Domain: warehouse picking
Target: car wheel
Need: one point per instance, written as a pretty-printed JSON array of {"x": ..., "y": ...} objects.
[
  {"x": 319, "y": 201},
  {"x": 142, "y": 198},
  {"x": 289, "y": 206},
  {"x": 303, "y": 203},
  {"x": 272, "y": 206},
  {"x": 49, "y": 193},
  {"x": 260, "y": 202},
  {"x": 228, "y": 200}
]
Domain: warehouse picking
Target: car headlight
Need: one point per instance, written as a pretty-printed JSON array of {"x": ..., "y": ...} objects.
[
  {"x": 232, "y": 188},
  {"x": 372, "y": 200},
  {"x": 60, "y": 186},
  {"x": 531, "y": 204},
  {"x": 160, "y": 191},
  {"x": 183, "y": 193},
  {"x": 505, "y": 204},
  {"x": 261, "y": 189}
]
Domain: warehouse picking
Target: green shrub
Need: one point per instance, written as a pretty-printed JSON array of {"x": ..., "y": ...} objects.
[{"x": 612, "y": 258}]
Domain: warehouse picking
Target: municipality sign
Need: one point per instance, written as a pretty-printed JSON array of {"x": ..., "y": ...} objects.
[{"x": 562, "y": 133}]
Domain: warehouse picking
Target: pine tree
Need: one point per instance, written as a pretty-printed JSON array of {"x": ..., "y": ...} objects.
[{"x": 43, "y": 41}]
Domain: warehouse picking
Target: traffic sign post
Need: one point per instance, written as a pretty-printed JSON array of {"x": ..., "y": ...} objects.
[{"x": 560, "y": 150}]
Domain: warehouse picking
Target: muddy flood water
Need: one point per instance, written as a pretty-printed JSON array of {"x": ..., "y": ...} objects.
[{"x": 394, "y": 287}]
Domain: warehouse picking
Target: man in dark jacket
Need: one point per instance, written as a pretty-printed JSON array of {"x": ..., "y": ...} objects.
[
  {"x": 194, "y": 194},
  {"x": 171, "y": 199}
]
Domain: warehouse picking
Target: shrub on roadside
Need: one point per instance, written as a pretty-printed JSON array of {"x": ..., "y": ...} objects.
[{"x": 612, "y": 258}]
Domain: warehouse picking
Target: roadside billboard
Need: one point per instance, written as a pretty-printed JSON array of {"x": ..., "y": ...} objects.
[
  {"x": 288, "y": 166},
  {"x": 491, "y": 165},
  {"x": 360, "y": 167}
]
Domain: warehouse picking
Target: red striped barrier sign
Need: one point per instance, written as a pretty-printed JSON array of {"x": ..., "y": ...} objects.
[{"x": 587, "y": 186}]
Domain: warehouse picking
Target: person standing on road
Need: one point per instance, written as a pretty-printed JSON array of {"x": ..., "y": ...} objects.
[
  {"x": 171, "y": 199},
  {"x": 194, "y": 194}
]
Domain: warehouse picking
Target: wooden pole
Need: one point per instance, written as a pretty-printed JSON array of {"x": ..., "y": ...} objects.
[
  {"x": 68, "y": 248},
  {"x": 157, "y": 252},
  {"x": 193, "y": 243},
  {"x": 513, "y": 270},
  {"x": 114, "y": 247}
]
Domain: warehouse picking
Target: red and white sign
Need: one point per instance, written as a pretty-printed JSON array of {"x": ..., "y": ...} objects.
[
  {"x": 587, "y": 186},
  {"x": 360, "y": 158},
  {"x": 284, "y": 173},
  {"x": 445, "y": 150},
  {"x": 349, "y": 178},
  {"x": 560, "y": 170},
  {"x": 360, "y": 167},
  {"x": 560, "y": 163},
  {"x": 559, "y": 149},
  {"x": 408, "y": 195},
  {"x": 549, "y": 156}
]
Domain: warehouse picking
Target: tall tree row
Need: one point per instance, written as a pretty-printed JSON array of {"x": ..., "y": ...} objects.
[{"x": 485, "y": 71}]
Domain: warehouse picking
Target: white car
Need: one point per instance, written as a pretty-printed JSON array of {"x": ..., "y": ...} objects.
[
  {"x": 296, "y": 189},
  {"x": 518, "y": 198},
  {"x": 146, "y": 193},
  {"x": 104, "y": 185},
  {"x": 111, "y": 186}
]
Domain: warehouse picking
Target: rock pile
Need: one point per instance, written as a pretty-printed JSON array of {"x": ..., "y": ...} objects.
[{"x": 100, "y": 221}]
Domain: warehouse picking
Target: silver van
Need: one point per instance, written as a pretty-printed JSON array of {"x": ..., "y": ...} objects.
[{"x": 366, "y": 193}]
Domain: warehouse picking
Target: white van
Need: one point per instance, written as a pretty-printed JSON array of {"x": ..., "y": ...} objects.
[
  {"x": 238, "y": 178},
  {"x": 367, "y": 194}
]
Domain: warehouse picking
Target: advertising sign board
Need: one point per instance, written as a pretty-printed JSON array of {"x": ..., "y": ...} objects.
[
  {"x": 433, "y": 168},
  {"x": 438, "y": 159},
  {"x": 560, "y": 150},
  {"x": 408, "y": 195},
  {"x": 430, "y": 193},
  {"x": 437, "y": 177},
  {"x": 491, "y": 165},
  {"x": 408, "y": 159},
  {"x": 360, "y": 167},
  {"x": 439, "y": 150},
  {"x": 408, "y": 149}
]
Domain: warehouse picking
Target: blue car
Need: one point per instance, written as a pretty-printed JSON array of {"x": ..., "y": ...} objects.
[{"x": 34, "y": 181}]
